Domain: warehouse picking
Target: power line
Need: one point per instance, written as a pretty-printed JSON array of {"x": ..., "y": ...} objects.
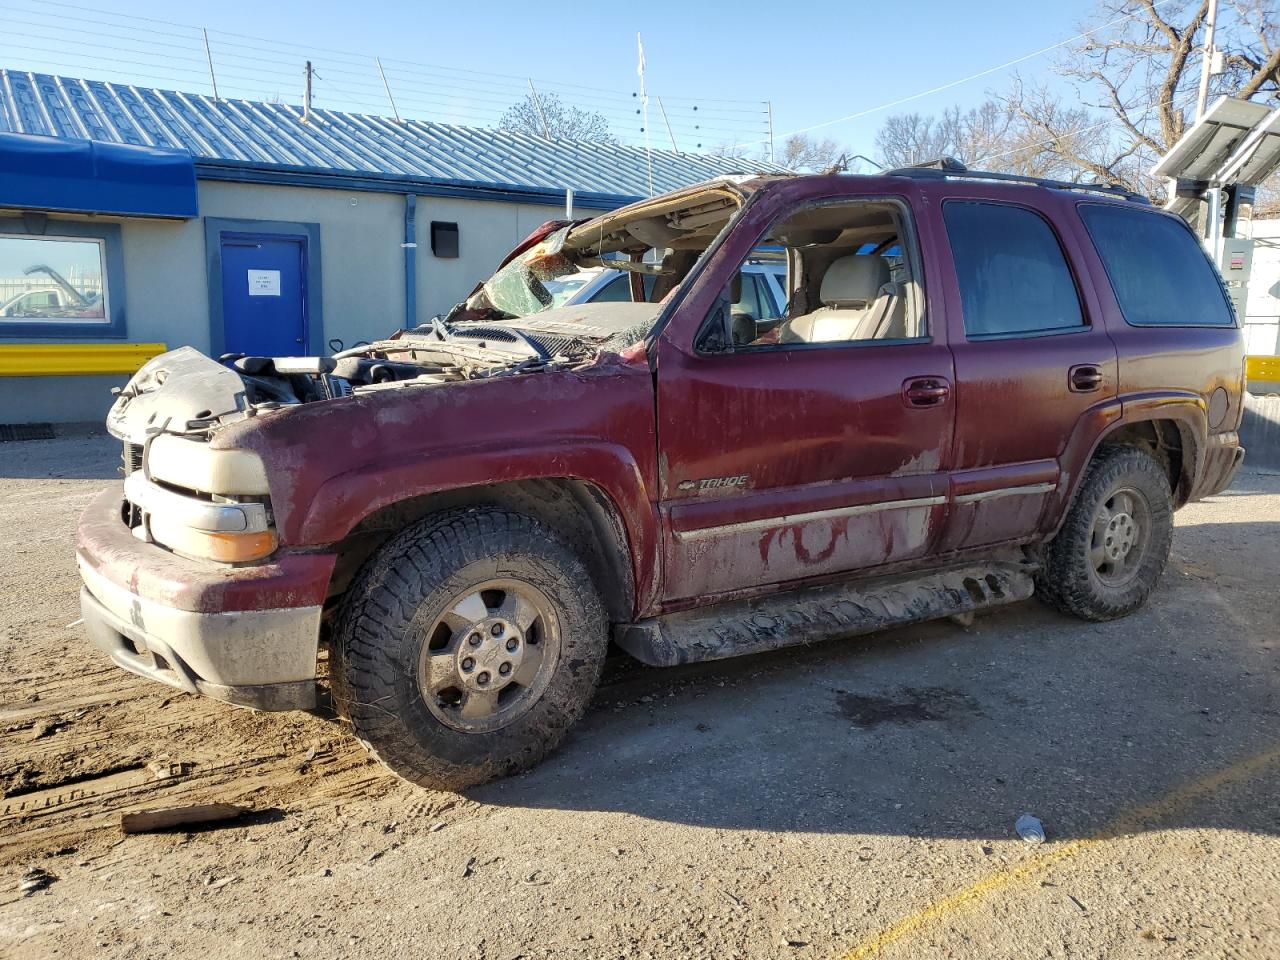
[
  {"x": 362, "y": 59},
  {"x": 482, "y": 101},
  {"x": 955, "y": 83}
]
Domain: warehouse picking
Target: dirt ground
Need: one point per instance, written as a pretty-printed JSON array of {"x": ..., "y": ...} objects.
[{"x": 852, "y": 799}]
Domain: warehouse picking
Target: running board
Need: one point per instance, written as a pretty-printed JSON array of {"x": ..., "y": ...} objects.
[{"x": 822, "y": 613}]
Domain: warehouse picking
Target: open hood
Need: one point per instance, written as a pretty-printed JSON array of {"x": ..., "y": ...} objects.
[{"x": 175, "y": 392}]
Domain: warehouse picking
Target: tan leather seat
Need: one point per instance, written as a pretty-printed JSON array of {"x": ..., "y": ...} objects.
[{"x": 859, "y": 302}]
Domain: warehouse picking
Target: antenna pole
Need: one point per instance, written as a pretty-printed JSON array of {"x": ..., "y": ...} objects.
[
  {"x": 306, "y": 93},
  {"x": 644, "y": 106},
  {"x": 1207, "y": 64},
  {"x": 387, "y": 87},
  {"x": 668, "y": 123},
  {"x": 768, "y": 106},
  {"x": 208, "y": 55},
  {"x": 537, "y": 102}
]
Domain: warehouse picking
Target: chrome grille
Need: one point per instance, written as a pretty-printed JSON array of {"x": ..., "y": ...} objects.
[{"x": 131, "y": 457}]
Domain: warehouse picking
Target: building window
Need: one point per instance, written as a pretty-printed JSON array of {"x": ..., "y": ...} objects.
[
  {"x": 53, "y": 280},
  {"x": 60, "y": 279}
]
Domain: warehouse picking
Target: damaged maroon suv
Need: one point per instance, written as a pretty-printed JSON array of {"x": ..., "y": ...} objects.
[{"x": 979, "y": 388}]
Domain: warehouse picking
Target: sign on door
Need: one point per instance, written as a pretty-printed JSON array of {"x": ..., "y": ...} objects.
[{"x": 264, "y": 283}]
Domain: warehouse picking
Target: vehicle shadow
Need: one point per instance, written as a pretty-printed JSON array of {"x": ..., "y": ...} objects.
[
  {"x": 76, "y": 453},
  {"x": 940, "y": 731}
]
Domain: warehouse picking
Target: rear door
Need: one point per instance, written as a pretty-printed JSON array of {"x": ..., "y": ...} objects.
[
  {"x": 264, "y": 294},
  {"x": 1032, "y": 361},
  {"x": 785, "y": 462}
]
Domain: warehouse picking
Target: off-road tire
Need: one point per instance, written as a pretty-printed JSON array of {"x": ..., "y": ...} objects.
[
  {"x": 411, "y": 580},
  {"x": 1068, "y": 580}
]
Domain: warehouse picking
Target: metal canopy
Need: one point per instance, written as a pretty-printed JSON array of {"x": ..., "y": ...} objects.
[{"x": 83, "y": 176}]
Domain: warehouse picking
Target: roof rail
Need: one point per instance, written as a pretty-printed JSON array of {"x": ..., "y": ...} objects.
[{"x": 951, "y": 173}]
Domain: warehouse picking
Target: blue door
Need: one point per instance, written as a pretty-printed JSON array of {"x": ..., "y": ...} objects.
[{"x": 264, "y": 297}]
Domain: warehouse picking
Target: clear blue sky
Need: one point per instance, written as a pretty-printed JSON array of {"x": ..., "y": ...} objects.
[{"x": 814, "y": 60}]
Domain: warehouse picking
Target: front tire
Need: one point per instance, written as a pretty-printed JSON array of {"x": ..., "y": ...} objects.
[
  {"x": 1114, "y": 544},
  {"x": 467, "y": 647}
]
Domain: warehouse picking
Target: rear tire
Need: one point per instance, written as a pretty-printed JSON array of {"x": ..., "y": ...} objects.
[
  {"x": 467, "y": 647},
  {"x": 1114, "y": 544}
]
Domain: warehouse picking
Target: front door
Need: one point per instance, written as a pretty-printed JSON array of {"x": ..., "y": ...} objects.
[
  {"x": 264, "y": 295},
  {"x": 820, "y": 446}
]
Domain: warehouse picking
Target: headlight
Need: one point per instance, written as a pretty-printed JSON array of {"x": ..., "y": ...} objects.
[
  {"x": 201, "y": 502},
  {"x": 193, "y": 465}
]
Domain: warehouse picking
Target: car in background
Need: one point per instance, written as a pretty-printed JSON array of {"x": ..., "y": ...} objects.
[
  {"x": 761, "y": 303},
  {"x": 762, "y": 288}
]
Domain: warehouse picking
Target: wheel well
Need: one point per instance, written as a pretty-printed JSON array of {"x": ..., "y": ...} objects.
[
  {"x": 1163, "y": 440},
  {"x": 579, "y": 511}
]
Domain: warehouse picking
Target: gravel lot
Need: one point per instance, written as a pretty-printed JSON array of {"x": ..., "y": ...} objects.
[{"x": 852, "y": 799}]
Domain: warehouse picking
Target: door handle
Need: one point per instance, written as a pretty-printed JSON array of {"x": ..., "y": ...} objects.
[
  {"x": 925, "y": 391},
  {"x": 1084, "y": 378}
]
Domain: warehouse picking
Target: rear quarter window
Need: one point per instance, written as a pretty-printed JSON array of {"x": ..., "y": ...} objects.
[{"x": 1157, "y": 268}]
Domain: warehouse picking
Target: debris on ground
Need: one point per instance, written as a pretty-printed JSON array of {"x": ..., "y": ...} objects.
[
  {"x": 165, "y": 769},
  {"x": 1029, "y": 828},
  {"x": 45, "y": 728},
  {"x": 162, "y": 818},
  {"x": 35, "y": 880}
]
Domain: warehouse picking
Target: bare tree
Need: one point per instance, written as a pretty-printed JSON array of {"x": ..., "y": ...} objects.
[
  {"x": 737, "y": 151},
  {"x": 990, "y": 136},
  {"x": 563, "y": 122},
  {"x": 1140, "y": 75},
  {"x": 910, "y": 138},
  {"x": 803, "y": 152}
]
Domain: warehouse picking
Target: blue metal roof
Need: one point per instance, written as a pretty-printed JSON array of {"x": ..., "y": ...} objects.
[{"x": 245, "y": 139}]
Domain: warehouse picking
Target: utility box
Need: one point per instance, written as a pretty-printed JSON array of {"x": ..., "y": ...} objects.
[{"x": 1235, "y": 264}]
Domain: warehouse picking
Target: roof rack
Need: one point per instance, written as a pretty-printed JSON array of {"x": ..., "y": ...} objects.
[{"x": 949, "y": 168}]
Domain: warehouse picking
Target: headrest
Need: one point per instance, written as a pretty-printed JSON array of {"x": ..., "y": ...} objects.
[{"x": 853, "y": 281}]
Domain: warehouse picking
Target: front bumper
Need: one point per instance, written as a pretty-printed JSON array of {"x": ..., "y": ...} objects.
[{"x": 245, "y": 635}]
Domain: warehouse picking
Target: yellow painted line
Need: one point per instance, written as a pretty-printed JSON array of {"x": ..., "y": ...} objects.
[
  {"x": 74, "y": 359},
  {"x": 1262, "y": 368},
  {"x": 1128, "y": 822}
]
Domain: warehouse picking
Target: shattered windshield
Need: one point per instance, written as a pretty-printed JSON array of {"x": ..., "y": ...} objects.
[
  {"x": 537, "y": 280},
  {"x": 563, "y": 289},
  {"x": 661, "y": 239}
]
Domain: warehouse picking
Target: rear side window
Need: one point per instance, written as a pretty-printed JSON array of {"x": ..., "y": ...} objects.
[
  {"x": 616, "y": 290},
  {"x": 1157, "y": 268},
  {"x": 1014, "y": 279}
]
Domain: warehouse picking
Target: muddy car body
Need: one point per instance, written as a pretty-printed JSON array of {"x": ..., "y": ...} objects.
[{"x": 971, "y": 394}]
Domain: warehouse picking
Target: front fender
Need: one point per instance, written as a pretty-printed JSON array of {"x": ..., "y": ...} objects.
[
  {"x": 343, "y": 501},
  {"x": 331, "y": 464}
]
